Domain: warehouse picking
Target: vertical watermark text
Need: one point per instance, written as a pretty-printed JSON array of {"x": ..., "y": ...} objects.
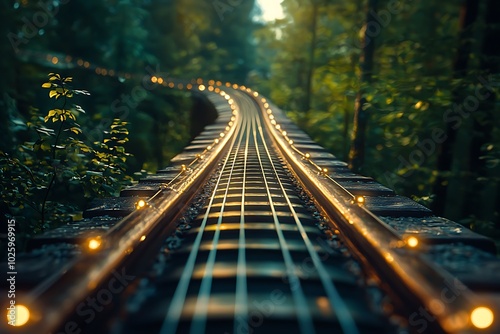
[{"x": 11, "y": 272}]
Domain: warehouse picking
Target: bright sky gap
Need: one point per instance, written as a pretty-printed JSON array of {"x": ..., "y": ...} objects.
[{"x": 271, "y": 9}]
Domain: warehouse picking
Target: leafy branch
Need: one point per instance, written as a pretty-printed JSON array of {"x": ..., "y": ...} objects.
[
  {"x": 48, "y": 178},
  {"x": 59, "y": 88}
]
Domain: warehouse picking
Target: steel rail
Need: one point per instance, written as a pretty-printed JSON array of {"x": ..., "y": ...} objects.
[
  {"x": 374, "y": 242},
  {"x": 303, "y": 315},
  {"x": 51, "y": 304},
  {"x": 201, "y": 308},
  {"x": 241, "y": 298},
  {"x": 337, "y": 303},
  {"x": 178, "y": 301},
  {"x": 409, "y": 274}
]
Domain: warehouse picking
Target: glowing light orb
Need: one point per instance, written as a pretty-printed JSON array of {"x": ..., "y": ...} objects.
[
  {"x": 412, "y": 242},
  {"x": 18, "y": 316},
  {"x": 94, "y": 243},
  {"x": 482, "y": 317}
]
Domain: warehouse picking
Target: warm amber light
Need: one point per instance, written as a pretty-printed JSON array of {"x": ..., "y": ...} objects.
[
  {"x": 412, "y": 242},
  {"x": 201, "y": 87},
  {"x": 18, "y": 316},
  {"x": 143, "y": 238},
  {"x": 323, "y": 305},
  {"x": 154, "y": 79},
  {"x": 307, "y": 156},
  {"x": 160, "y": 81},
  {"x": 94, "y": 243},
  {"x": 482, "y": 317},
  {"x": 141, "y": 204},
  {"x": 55, "y": 60},
  {"x": 360, "y": 199},
  {"x": 255, "y": 94}
]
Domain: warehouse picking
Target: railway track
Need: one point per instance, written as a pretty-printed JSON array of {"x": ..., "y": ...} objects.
[{"x": 254, "y": 229}]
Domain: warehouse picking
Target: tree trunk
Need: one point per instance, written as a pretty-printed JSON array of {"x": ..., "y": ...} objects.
[
  {"x": 468, "y": 15},
  {"x": 481, "y": 195},
  {"x": 357, "y": 152},
  {"x": 312, "y": 49}
]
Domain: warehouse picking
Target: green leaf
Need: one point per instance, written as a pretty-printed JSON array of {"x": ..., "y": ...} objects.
[
  {"x": 45, "y": 131},
  {"x": 75, "y": 130},
  {"x": 79, "y": 108},
  {"x": 81, "y": 92}
]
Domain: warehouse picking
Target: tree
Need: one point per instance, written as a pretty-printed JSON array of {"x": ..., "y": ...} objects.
[
  {"x": 483, "y": 170},
  {"x": 361, "y": 113},
  {"x": 468, "y": 16}
]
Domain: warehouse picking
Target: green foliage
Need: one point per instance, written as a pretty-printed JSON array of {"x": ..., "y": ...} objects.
[
  {"x": 44, "y": 177},
  {"x": 107, "y": 168},
  {"x": 413, "y": 88}
]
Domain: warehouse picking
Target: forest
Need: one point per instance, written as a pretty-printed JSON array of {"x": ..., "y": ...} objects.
[{"x": 406, "y": 91}]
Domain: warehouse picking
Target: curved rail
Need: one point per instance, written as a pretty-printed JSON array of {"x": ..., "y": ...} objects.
[
  {"x": 55, "y": 299},
  {"x": 419, "y": 282},
  {"x": 254, "y": 147}
]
